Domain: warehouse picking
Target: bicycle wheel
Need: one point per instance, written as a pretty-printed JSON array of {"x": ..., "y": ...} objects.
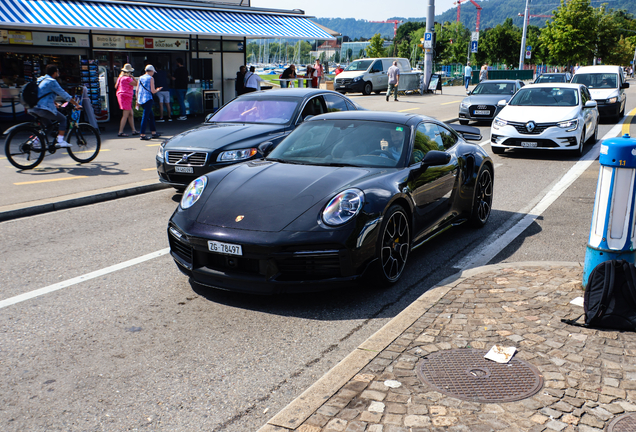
[
  {"x": 85, "y": 142},
  {"x": 25, "y": 147}
]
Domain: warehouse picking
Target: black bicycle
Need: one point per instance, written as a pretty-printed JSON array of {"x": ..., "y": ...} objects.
[{"x": 27, "y": 143}]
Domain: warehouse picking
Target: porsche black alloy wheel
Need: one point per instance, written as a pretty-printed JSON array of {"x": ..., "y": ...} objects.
[
  {"x": 395, "y": 245},
  {"x": 482, "y": 205}
]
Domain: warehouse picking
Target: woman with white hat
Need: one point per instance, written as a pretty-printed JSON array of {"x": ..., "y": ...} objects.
[
  {"x": 145, "y": 90},
  {"x": 125, "y": 86}
]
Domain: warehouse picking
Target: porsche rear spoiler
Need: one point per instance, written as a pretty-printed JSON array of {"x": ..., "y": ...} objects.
[{"x": 468, "y": 132}]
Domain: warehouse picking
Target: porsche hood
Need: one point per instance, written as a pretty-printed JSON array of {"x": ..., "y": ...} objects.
[{"x": 268, "y": 196}]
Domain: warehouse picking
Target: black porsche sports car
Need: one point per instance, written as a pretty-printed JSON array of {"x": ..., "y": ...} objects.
[
  {"x": 345, "y": 195},
  {"x": 233, "y": 133}
]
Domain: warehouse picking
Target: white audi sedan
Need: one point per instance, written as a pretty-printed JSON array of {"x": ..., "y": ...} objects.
[{"x": 553, "y": 116}]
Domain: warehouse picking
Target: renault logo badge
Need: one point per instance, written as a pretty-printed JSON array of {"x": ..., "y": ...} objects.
[
  {"x": 239, "y": 218},
  {"x": 530, "y": 126}
]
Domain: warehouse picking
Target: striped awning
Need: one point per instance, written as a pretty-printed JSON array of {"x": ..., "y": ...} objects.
[{"x": 146, "y": 18}]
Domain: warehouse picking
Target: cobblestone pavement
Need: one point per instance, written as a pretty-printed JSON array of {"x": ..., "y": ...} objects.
[{"x": 589, "y": 376}]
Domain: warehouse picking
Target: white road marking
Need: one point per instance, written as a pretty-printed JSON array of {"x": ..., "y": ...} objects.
[
  {"x": 65, "y": 284},
  {"x": 501, "y": 238}
]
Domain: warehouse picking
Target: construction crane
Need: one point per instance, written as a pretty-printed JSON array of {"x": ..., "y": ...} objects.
[
  {"x": 394, "y": 22},
  {"x": 479, "y": 8},
  {"x": 537, "y": 16}
]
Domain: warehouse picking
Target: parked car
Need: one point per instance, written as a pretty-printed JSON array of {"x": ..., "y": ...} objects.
[
  {"x": 481, "y": 102},
  {"x": 233, "y": 134},
  {"x": 607, "y": 86},
  {"x": 546, "y": 116},
  {"x": 368, "y": 75},
  {"x": 556, "y": 77},
  {"x": 346, "y": 194}
]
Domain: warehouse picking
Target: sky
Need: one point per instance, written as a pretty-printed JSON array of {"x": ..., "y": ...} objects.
[{"x": 371, "y": 10}]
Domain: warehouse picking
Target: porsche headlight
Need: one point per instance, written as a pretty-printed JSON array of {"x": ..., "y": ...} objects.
[
  {"x": 343, "y": 207},
  {"x": 499, "y": 122},
  {"x": 236, "y": 155},
  {"x": 465, "y": 105},
  {"x": 612, "y": 100},
  {"x": 161, "y": 151},
  {"x": 569, "y": 125},
  {"x": 193, "y": 192}
]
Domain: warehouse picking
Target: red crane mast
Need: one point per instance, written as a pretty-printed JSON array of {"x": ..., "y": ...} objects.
[
  {"x": 479, "y": 8},
  {"x": 394, "y": 22}
]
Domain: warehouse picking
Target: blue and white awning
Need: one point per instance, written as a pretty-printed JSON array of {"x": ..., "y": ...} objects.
[{"x": 112, "y": 16}]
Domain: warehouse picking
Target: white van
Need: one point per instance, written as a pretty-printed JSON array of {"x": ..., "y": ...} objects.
[
  {"x": 607, "y": 86},
  {"x": 367, "y": 75}
]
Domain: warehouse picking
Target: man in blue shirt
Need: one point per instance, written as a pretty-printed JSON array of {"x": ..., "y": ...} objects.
[
  {"x": 48, "y": 89},
  {"x": 468, "y": 73}
]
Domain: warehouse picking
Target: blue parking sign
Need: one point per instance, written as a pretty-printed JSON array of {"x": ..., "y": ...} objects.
[{"x": 473, "y": 46}]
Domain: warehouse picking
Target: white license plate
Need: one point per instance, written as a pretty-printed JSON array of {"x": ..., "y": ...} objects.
[
  {"x": 528, "y": 144},
  {"x": 183, "y": 169},
  {"x": 482, "y": 112},
  {"x": 225, "y": 248}
]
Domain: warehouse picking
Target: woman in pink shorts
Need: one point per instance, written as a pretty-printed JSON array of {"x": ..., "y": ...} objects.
[{"x": 125, "y": 86}]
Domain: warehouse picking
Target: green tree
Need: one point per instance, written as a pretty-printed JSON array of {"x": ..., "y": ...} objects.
[
  {"x": 404, "y": 31},
  {"x": 404, "y": 49},
  {"x": 571, "y": 35},
  {"x": 375, "y": 48},
  {"x": 336, "y": 57},
  {"x": 349, "y": 54},
  {"x": 500, "y": 44}
]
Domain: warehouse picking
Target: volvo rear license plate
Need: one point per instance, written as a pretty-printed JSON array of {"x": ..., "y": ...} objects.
[
  {"x": 225, "y": 248},
  {"x": 482, "y": 112},
  {"x": 183, "y": 169},
  {"x": 528, "y": 144}
]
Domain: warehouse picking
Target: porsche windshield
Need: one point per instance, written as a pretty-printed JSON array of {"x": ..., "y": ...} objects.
[
  {"x": 257, "y": 110},
  {"x": 344, "y": 143},
  {"x": 546, "y": 96}
]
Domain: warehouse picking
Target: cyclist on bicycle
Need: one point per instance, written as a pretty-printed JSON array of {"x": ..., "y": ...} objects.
[{"x": 48, "y": 89}]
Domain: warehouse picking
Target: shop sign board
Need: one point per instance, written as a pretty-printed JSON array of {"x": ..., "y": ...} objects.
[
  {"x": 60, "y": 39},
  {"x": 134, "y": 42},
  {"x": 167, "y": 44},
  {"x": 19, "y": 37},
  {"x": 4, "y": 37},
  {"x": 108, "y": 41}
]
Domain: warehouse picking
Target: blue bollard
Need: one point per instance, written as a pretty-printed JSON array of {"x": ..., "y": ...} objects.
[{"x": 612, "y": 230}]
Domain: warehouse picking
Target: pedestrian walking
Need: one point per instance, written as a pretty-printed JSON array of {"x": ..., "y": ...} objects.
[
  {"x": 483, "y": 73},
  {"x": 180, "y": 79},
  {"x": 393, "y": 74},
  {"x": 318, "y": 72},
  {"x": 310, "y": 74},
  {"x": 468, "y": 73},
  {"x": 145, "y": 89},
  {"x": 252, "y": 80},
  {"x": 239, "y": 85},
  {"x": 161, "y": 80},
  {"x": 125, "y": 87}
]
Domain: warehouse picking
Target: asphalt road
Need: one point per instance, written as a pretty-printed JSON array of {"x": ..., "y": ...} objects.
[{"x": 139, "y": 348}]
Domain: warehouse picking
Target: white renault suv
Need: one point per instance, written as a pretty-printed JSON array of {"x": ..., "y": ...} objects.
[{"x": 554, "y": 116}]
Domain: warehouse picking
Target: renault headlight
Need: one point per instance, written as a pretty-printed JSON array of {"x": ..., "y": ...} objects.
[
  {"x": 612, "y": 100},
  {"x": 193, "y": 192},
  {"x": 343, "y": 207},
  {"x": 236, "y": 155},
  {"x": 161, "y": 151},
  {"x": 569, "y": 125},
  {"x": 499, "y": 123}
]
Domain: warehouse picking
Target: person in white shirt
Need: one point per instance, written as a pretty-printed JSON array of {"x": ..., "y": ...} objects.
[
  {"x": 252, "y": 81},
  {"x": 394, "y": 80}
]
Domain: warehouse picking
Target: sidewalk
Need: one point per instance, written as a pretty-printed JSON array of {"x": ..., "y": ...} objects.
[{"x": 562, "y": 378}]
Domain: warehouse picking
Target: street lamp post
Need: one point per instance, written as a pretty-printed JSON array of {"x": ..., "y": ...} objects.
[
  {"x": 428, "y": 52},
  {"x": 523, "y": 36}
]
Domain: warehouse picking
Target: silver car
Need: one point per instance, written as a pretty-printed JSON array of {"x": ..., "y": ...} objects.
[{"x": 481, "y": 103}]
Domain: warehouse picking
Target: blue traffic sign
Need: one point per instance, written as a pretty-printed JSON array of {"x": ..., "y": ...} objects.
[
  {"x": 473, "y": 46},
  {"x": 428, "y": 36},
  {"x": 528, "y": 48}
]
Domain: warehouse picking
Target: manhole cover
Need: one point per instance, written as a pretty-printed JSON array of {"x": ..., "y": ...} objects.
[
  {"x": 465, "y": 374},
  {"x": 624, "y": 423}
]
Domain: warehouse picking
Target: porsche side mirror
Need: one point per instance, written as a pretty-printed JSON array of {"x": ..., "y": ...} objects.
[
  {"x": 435, "y": 157},
  {"x": 502, "y": 103},
  {"x": 625, "y": 85},
  {"x": 266, "y": 147},
  {"x": 208, "y": 117},
  {"x": 590, "y": 104}
]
